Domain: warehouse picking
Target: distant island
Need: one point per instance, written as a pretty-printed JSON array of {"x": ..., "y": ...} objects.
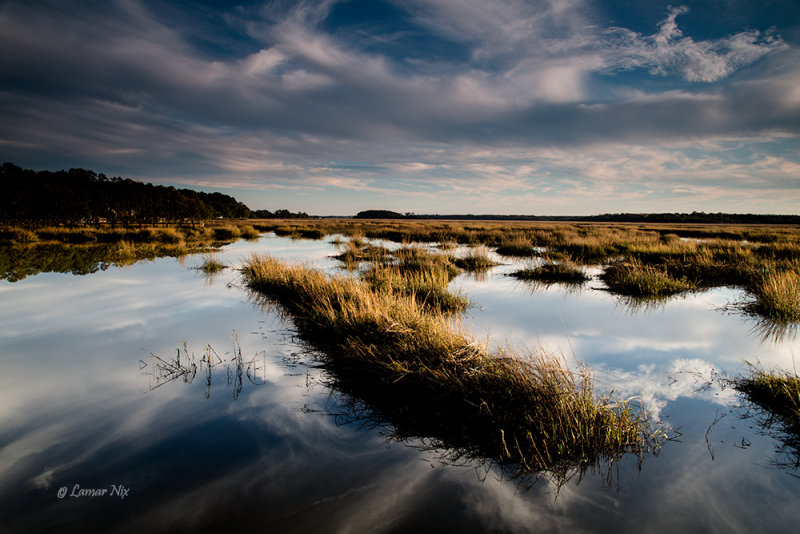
[{"x": 80, "y": 195}]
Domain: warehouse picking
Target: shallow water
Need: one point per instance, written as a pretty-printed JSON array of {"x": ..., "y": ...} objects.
[{"x": 266, "y": 445}]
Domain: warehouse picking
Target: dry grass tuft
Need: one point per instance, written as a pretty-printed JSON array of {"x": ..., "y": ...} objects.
[{"x": 777, "y": 295}]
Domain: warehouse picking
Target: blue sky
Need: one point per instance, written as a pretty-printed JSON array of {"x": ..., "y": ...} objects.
[{"x": 431, "y": 106}]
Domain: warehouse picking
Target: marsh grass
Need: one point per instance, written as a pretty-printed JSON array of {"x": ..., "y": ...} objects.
[
  {"x": 88, "y": 249},
  {"x": 300, "y": 231},
  {"x": 249, "y": 232},
  {"x": 641, "y": 261},
  {"x": 553, "y": 272},
  {"x": 409, "y": 271},
  {"x": 211, "y": 265},
  {"x": 777, "y": 391},
  {"x": 634, "y": 279},
  {"x": 477, "y": 260},
  {"x": 777, "y": 395},
  {"x": 17, "y": 235},
  {"x": 354, "y": 252},
  {"x": 516, "y": 247},
  {"x": 777, "y": 295},
  {"x": 415, "y": 368},
  {"x": 311, "y": 233},
  {"x": 226, "y": 233},
  {"x": 426, "y": 287}
]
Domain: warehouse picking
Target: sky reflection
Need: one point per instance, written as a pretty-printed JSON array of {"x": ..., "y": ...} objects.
[{"x": 76, "y": 408}]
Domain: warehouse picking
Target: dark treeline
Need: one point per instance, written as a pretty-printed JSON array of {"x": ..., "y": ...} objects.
[
  {"x": 82, "y": 195},
  {"x": 694, "y": 217}
]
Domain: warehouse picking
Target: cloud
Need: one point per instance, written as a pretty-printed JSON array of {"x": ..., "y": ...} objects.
[
  {"x": 668, "y": 51},
  {"x": 528, "y": 96}
]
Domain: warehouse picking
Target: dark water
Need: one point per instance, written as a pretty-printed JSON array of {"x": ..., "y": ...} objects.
[{"x": 263, "y": 444}]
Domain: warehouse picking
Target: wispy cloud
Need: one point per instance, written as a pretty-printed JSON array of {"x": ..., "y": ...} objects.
[{"x": 669, "y": 51}]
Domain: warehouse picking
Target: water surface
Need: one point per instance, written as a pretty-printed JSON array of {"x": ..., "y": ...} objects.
[{"x": 268, "y": 446}]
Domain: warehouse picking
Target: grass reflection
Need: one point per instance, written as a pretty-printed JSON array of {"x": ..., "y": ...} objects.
[{"x": 186, "y": 367}]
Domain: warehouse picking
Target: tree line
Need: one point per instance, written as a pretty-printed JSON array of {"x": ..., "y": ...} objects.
[
  {"x": 82, "y": 195},
  {"x": 694, "y": 217}
]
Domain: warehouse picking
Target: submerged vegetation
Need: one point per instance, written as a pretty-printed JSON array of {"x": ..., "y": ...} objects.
[
  {"x": 185, "y": 366},
  {"x": 427, "y": 378}
]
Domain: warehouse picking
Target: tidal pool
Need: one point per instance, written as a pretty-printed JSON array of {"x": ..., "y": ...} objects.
[{"x": 112, "y": 420}]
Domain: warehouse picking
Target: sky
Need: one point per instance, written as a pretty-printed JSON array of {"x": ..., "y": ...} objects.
[{"x": 537, "y": 107}]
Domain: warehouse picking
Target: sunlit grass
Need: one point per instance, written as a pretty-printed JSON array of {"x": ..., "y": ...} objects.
[
  {"x": 776, "y": 395},
  {"x": 517, "y": 246},
  {"x": 777, "y": 295},
  {"x": 86, "y": 249},
  {"x": 640, "y": 261},
  {"x": 779, "y": 392},
  {"x": 210, "y": 264},
  {"x": 355, "y": 251},
  {"x": 644, "y": 281},
  {"x": 477, "y": 260},
  {"x": 553, "y": 272}
]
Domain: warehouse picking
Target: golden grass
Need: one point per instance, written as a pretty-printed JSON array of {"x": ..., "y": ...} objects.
[
  {"x": 210, "y": 264},
  {"x": 777, "y": 396},
  {"x": 640, "y": 260},
  {"x": 777, "y": 295},
  {"x": 84, "y": 249},
  {"x": 778, "y": 391},
  {"x": 644, "y": 281},
  {"x": 553, "y": 272},
  {"x": 477, "y": 260}
]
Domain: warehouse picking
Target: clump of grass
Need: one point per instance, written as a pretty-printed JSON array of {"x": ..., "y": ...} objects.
[
  {"x": 477, "y": 260},
  {"x": 417, "y": 259},
  {"x": 225, "y": 233},
  {"x": 631, "y": 278},
  {"x": 777, "y": 295},
  {"x": 519, "y": 246},
  {"x": 403, "y": 358},
  {"x": 248, "y": 232},
  {"x": 310, "y": 233},
  {"x": 169, "y": 235},
  {"x": 427, "y": 287},
  {"x": 553, "y": 272},
  {"x": 778, "y": 392},
  {"x": 354, "y": 252},
  {"x": 211, "y": 265}
]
